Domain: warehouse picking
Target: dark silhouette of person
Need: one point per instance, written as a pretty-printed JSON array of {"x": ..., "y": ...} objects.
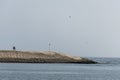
[{"x": 14, "y": 48}]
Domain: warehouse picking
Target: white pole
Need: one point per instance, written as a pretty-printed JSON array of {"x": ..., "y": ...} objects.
[{"x": 49, "y": 46}]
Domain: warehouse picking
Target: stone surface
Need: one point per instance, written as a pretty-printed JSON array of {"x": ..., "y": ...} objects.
[{"x": 9, "y": 56}]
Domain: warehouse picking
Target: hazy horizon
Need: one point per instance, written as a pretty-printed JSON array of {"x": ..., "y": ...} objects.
[{"x": 88, "y": 28}]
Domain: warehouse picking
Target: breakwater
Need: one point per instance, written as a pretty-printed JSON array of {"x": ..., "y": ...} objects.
[{"x": 9, "y": 56}]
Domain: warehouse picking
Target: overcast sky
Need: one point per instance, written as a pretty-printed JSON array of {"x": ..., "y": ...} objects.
[{"x": 76, "y": 27}]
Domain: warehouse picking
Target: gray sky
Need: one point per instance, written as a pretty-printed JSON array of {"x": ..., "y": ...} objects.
[{"x": 76, "y": 27}]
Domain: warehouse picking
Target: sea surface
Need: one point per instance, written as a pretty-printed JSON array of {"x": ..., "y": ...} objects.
[{"x": 108, "y": 69}]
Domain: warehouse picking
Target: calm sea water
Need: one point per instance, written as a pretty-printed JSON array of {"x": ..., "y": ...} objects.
[{"x": 108, "y": 69}]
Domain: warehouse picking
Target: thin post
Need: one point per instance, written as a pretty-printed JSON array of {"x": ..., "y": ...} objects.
[{"x": 49, "y": 46}]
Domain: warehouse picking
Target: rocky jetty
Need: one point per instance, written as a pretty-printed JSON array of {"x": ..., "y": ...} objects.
[{"x": 9, "y": 56}]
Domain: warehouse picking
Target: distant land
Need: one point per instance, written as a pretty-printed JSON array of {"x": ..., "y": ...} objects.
[{"x": 12, "y": 56}]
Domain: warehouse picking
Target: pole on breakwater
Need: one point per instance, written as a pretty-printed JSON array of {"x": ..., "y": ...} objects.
[{"x": 49, "y": 45}]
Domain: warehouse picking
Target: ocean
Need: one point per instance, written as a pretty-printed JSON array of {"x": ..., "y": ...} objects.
[{"x": 108, "y": 69}]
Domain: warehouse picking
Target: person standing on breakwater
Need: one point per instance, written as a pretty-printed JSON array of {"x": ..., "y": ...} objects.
[{"x": 14, "y": 48}]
